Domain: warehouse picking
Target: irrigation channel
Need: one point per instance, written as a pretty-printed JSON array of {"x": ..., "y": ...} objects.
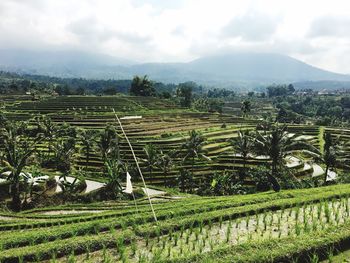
[{"x": 209, "y": 236}]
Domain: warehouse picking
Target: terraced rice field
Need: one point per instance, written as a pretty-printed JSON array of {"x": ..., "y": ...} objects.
[
  {"x": 276, "y": 226},
  {"x": 166, "y": 129}
]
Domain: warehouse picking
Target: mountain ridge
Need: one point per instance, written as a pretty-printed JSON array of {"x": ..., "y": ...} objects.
[{"x": 241, "y": 68}]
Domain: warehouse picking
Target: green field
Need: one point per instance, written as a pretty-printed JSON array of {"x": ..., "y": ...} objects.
[{"x": 301, "y": 225}]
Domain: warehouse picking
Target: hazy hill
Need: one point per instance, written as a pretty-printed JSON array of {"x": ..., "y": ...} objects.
[{"x": 234, "y": 69}]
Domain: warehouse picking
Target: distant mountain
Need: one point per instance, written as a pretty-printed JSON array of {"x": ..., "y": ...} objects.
[
  {"x": 230, "y": 70},
  {"x": 60, "y": 63}
]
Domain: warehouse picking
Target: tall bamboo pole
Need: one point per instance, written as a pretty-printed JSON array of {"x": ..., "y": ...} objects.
[{"x": 137, "y": 164}]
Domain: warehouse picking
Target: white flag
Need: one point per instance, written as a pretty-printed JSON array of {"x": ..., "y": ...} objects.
[{"x": 128, "y": 188}]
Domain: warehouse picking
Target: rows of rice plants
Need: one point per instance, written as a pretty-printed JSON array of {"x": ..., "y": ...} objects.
[{"x": 185, "y": 227}]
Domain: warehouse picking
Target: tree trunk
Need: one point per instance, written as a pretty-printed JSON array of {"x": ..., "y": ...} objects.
[
  {"x": 165, "y": 173},
  {"x": 150, "y": 173},
  {"x": 16, "y": 199},
  {"x": 326, "y": 174},
  {"x": 272, "y": 178}
]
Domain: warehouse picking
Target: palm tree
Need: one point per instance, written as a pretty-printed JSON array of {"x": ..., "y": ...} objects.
[
  {"x": 115, "y": 170},
  {"x": 165, "y": 163},
  {"x": 243, "y": 145},
  {"x": 245, "y": 107},
  {"x": 142, "y": 86},
  {"x": 193, "y": 148},
  {"x": 64, "y": 151},
  {"x": 109, "y": 144},
  {"x": 185, "y": 180},
  {"x": 151, "y": 159},
  {"x": 17, "y": 148},
  {"x": 331, "y": 156},
  {"x": 48, "y": 128},
  {"x": 88, "y": 140},
  {"x": 277, "y": 144}
]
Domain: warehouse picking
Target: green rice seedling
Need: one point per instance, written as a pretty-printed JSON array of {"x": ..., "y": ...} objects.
[
  {"x": 250, "y": 236},
  {"x": 181, "y": 250},
  {"x": 96, "y": 228},
  {"x": 204, "y": 241},
  {"x": 228, "y": 234},
  {"x": 191, "y": 228},
  {"x": 279, "y": 223},
  {"x": 53, "y": 257},
  {"x": 297, "y": 211},
  {"x": 297, "y": 229},
  {"x": 169, "y": 251},
  {"x": 200, "y": 248},
  {"x": 327, "y": 212},
  {"x": 71, "y": 258},
  {"x": 123, "y": 225},
  {"x": 279, "y": 234},
  {"x": 330, "y": 254},
  {"x": 158, "y": 234},
  {"x": 176, "y": 238},
  {"x": 201, "y": 226},
  {"x": 133, "y": 247},
  {"x": 187, "y": 239},
  {"x": 157, "y": 255},
  {"x": 38, "y": 256},
  {"x": 210, "y": 223},
  {"x": 147, "y": 239},
  {"x": 237, "y": 223},
  {"x": 87, "y": 248},
  {"x": 196, "y": 233},
  {"x": 120, "y": 245},
  {"x": 304, "y": 217},
  {"x": 207, "y": 234},
  {"x": 182, "y": 229},
  {"x": 163, "y": 243},
  {"x": 264, "y": 217},
  {"x": 247, "y": 221},
  {"x": 314, "y": 258},
  {"x": 306, "y": 226},
  {"x": 112, "y": 230},
  {"x": 142, "y": 258},
  {"x": 171, "y": 234},
  {"x": 104, "y": 252},
  {"x": 271, "y": 220},
  {"x": 336, "y": 216},
  {"x": 265, "y": 223},
  {"x": 211, "y": 244}
]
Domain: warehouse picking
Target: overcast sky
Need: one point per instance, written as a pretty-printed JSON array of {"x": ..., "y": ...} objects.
[{"x": 315, "y": 31}]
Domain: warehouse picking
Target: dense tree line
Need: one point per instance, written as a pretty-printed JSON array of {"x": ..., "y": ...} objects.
[{"x": 324, "y": 110}]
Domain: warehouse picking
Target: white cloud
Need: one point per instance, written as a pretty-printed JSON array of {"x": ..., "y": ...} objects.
[{"x": 180, "y": 30}]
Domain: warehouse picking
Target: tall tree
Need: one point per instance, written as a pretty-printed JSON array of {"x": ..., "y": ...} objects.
[
  {"x": 278, "y": 144},
  {"x": 109, "y": 143},
  {"x": 88, "y": 140},
  {"x": 243, "y": 145},
  {"x": 329, "y": 153},
  {"x": 193, "y": 148},
  {"x": 184, "y": 91},
  {"x": 151, "y": 158},
  {"x": 48, "y": 128},
  {"x": 64, "y": 150},
  {"x": 142, "y": 86},
  {"x": 17, "y": 149},
  {"x": 245, "y": 107},
  {"x": 165, "y": 163}
]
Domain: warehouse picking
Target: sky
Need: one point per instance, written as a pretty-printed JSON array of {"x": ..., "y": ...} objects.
[{"x": 314, "y": 31}]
